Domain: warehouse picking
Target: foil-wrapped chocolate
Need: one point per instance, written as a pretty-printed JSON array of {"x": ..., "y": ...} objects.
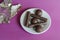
[
  {"x": 8, "y": 10},
  {"x": 6, "y": 2},
  {"x": 14, "y": 10}
]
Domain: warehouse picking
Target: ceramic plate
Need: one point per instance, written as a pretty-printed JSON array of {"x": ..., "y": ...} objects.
[{"x": 30, "y": 30}]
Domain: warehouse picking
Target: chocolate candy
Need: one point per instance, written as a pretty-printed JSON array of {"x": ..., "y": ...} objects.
[
  {"x": 38, "y": 12},
  {"x": 43, "y": 19},
  {"x": 34, "y": 20},
  {"x": 32, "y": 25},
  {"x": 36, "y": 16},
  {"x": 27, "y": 19},
  {"x": 38, "y": 28}
]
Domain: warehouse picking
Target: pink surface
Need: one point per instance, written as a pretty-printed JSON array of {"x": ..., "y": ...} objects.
[{"x": 14, "y": 31}]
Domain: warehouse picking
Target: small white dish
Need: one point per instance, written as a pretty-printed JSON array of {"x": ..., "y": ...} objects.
[{"x": 30, "y": 30}]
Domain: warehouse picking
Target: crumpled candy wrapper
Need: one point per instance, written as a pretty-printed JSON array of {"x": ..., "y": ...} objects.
[{"x": 8, "y": 11}]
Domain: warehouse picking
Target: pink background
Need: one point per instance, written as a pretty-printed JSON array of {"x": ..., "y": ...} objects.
[{"x": 14, "y": 31}]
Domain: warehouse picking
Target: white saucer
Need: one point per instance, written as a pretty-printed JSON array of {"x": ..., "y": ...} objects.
[{"x": 30, "y": 30}]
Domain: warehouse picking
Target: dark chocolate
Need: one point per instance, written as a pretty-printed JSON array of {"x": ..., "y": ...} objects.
[
  {"x": 34, "y": 20},
  {"x": 36, "y": 16},
  {"x": 27, "y": 19},
  {"x": 38, "y": 12},
  {"x": 43, "y": 19},
  {"x": 38, "y": 28},
  {"x": 32, "y": 25}
]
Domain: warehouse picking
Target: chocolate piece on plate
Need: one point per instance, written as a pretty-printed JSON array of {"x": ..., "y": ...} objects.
[
  {"x": 38, "y": 12},
  {"x": 35, "y": 20},
  {"x": 38, "y": 28},
  {"x": 43, "y": 19},
  {"x": 36, "y": 16},
  {"x": 32, "y": 25},
  {"x": 27, "y": 19}
]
